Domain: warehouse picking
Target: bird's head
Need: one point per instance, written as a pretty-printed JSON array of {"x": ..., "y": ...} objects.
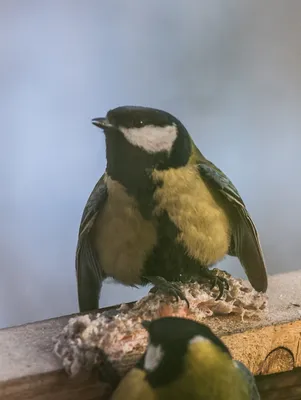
[
  {"x": 144, "y": 138},
  {"x": 170, "y": 341}
]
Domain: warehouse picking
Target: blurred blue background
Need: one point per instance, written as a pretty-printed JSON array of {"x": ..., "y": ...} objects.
[{"x": 229, "y": 69}]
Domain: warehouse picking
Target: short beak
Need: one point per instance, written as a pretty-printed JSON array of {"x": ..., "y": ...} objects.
[
  {"x": 102, "y": 123},
  {"x": 146, "y": 324}
]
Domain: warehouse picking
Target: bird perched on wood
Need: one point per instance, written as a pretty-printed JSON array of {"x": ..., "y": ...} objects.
[
  {"x": 185, "y": 360},
  {"x": 161, "y": 213}
]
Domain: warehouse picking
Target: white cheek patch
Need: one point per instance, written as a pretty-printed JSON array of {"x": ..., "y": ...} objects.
[
  {"x": 153, "y": 357},
  {"x": 198, "y": 339},
  {"x": 151, "y": 138}
]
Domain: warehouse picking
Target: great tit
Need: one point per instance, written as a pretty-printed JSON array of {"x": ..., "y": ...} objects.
[
  {"x": 161, "y": 213},
  {"x": 185, "y": 360}
]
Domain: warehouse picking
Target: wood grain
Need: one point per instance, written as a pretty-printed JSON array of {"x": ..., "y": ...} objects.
[{"x": 268, "y": 350}]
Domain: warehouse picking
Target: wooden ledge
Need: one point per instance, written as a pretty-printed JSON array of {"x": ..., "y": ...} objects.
[{"x": 30, "y": 370}]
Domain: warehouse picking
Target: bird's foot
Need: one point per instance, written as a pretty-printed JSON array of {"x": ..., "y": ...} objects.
[
  {"x": 170, "y": 288},
  {"x": 217, "y": 278}
]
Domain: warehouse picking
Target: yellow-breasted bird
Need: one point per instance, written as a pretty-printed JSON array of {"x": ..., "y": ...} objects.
[
  {"x": 161, "y": 213},
  {"x": 185, "y": 360}
]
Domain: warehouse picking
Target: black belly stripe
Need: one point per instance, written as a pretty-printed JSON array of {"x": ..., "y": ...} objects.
[{"x": 169, "y": 258}]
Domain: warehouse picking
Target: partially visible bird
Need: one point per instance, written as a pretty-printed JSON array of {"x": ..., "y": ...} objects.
[
  {"x": 162, "y": 213},
  {"x": 185, "y": 360}
]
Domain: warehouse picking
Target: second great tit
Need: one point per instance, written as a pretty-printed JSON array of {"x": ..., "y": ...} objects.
[{"x": 185, "y": 360}]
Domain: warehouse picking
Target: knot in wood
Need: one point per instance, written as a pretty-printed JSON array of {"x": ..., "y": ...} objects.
[{"x": 278, "y": 360}]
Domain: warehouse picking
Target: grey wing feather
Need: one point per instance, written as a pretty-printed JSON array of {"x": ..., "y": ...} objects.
[
  {"x": 248, "y": 376},
  {"x": 88, "y": 271},
  {"x": 245, "y": 240}
]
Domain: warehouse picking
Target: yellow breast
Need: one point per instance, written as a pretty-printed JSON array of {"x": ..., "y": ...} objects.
[
  {"x": 123, "y": 239},
  {"x": 134, "y": 387},
  {"x": 202, "y": 222},
  {"x": 208, "y": 374}
]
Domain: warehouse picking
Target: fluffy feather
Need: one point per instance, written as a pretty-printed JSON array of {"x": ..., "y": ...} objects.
[
  {"x": 123, "y": 238},
  {"x": 203, "y": 224},
  {"x": 134, "y": 387}
]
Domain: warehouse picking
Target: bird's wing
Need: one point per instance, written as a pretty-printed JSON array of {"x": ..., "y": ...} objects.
[
  {"x": 247, "y": 375},
  {"x": 88, "y": 271},
  {"x": 245, "y": 240}
]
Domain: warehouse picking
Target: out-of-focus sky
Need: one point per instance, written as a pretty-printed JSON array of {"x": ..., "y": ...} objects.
[{"x": 229, "y": 69}]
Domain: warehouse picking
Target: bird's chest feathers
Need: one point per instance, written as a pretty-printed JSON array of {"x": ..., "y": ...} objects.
[
  {"x": 207, "y": 375},
  {"x": 123, "y": 238},
  {"x": 203, "y": 225}
]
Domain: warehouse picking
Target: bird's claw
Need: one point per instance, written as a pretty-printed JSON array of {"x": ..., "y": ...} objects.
[
  {"x": 170, "y": 288},
  {"x": 215, "y": 277}
]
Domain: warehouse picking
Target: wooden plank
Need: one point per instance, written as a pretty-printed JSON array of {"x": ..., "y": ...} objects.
[
  {"x": 281, "y": 386},
  {"x": 268, "y": 350},
  {"x": 30, "y": 370},
  {"x": 53, "y": 385}
]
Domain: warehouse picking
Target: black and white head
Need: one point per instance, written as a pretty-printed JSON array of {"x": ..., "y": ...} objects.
[
  {"x": 169, "y": 339},
  {"x": 145, "y": 137}
]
